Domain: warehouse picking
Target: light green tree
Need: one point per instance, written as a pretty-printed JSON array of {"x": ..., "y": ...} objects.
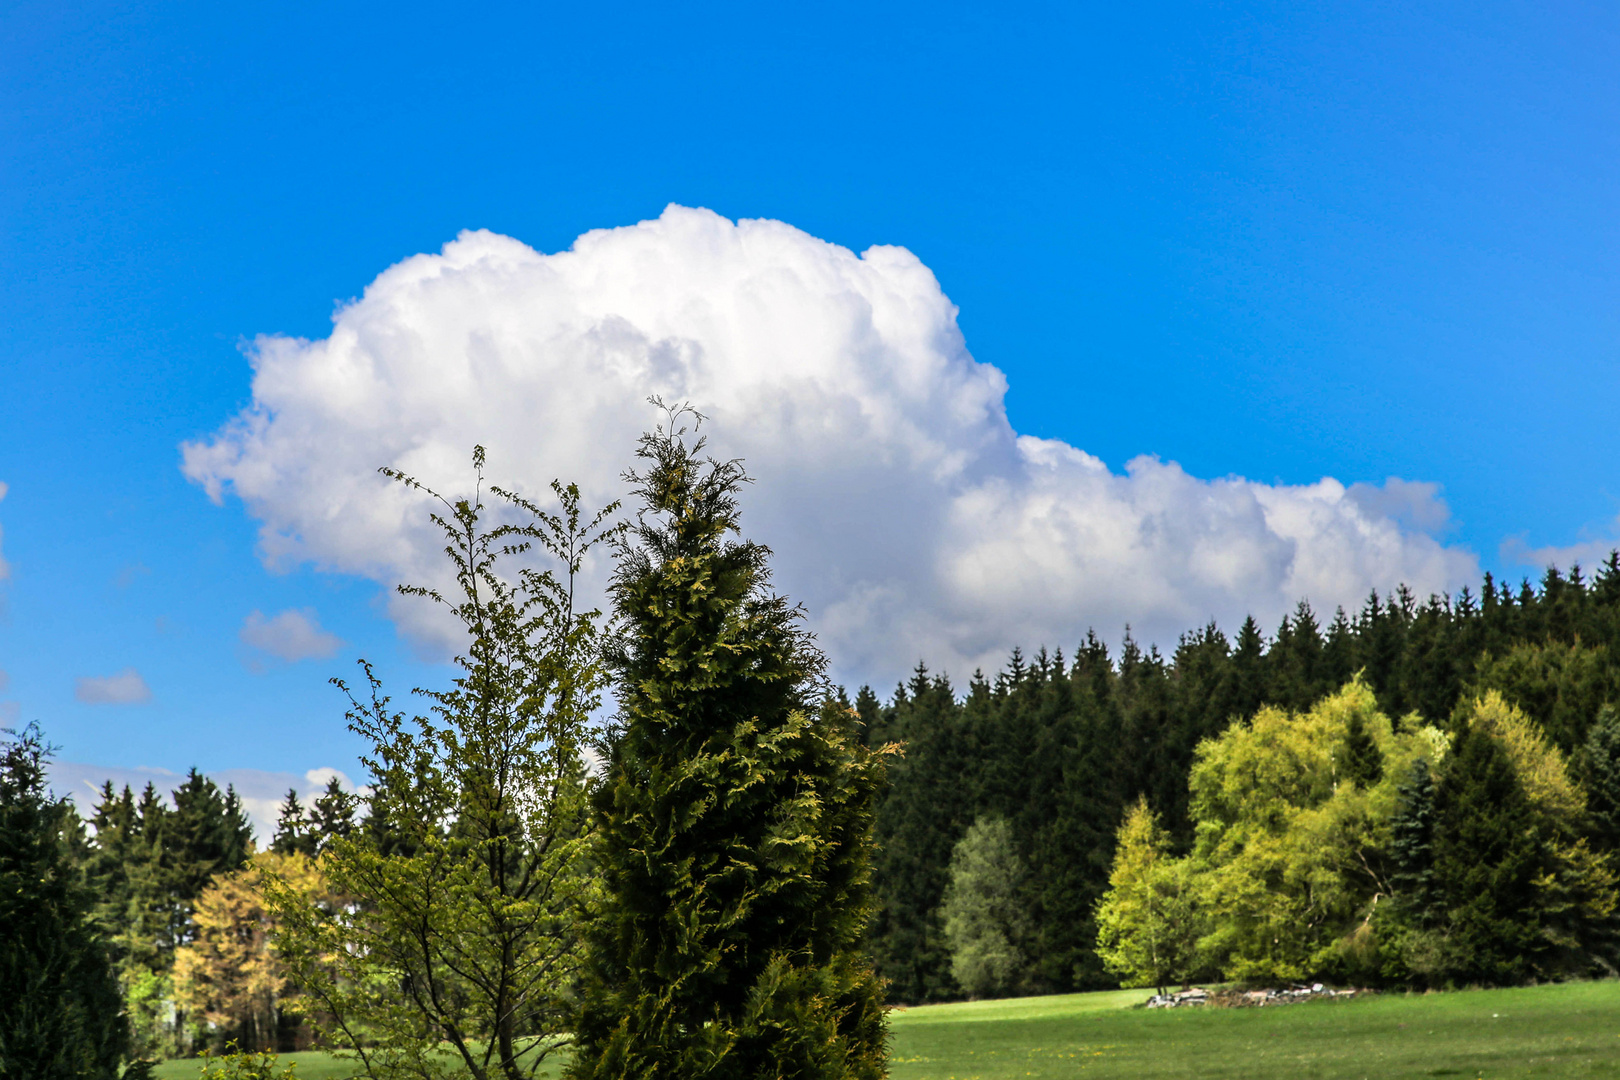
[
  {"x": 987, "y": 923},
  {"x": 1147, "y": 922},
  {"x": 457, "y": 935},
  {"x": 1289, "y": 832}
]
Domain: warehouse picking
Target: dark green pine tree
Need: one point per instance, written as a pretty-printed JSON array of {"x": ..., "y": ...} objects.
[
  {"x": 1411, "y": 850},
  {"x": 1249, "y": 690},
  {"x": 210, "y": 834},
  {"x": 60, "y": 1009},
  {"x": 1600, "y": 769},
  {"x": 931, "y": 801},
  {"x": 115, "y": 846},
  {"x": 150, "y": 924},
  {"x": 1361, "y": 762},
  {"x": 734, "y": 818},
  {"x": 332, "y": 814},
  {"x": 294, "y": 836},
  {"x": 1488, "y": 855}
]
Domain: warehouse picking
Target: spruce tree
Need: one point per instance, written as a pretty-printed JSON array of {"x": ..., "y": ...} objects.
[
  {"x": 60, "y": 1015},
  {"x": 1488, "y": 857},
  {"x": 734, "y": 817},
  {"x": 1601, "y": 773},
  {"x": 1362, "y": 762},
  {"x": 293, "y": 833},
  {"x": 1411, "y": 849},
  {"x": 332, "y": 814}
]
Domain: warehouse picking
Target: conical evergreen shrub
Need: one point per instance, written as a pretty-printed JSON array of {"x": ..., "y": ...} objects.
[{"x": 734, "y": 818}]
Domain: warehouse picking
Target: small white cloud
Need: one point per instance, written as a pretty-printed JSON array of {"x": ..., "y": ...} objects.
[
  {"x": 290, "y": 636},
  {"x": 127, "y": 574},
  {"x": 9, "y": 711},
  {"x": 1587, "y": 553},
  {"x": 5, "y": 567},
  {"x": 320, "y": 777},
  {"x": 125, "y": 688},
  {"x": 5, "y": 680}
]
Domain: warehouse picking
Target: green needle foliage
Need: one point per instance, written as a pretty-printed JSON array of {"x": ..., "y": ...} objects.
[
  {"x": 60, "y": 1016},
  {"x": 1601, "y": 768},
  {"x": 734, "y": 821},
  {"x": 458, "y": 942}
]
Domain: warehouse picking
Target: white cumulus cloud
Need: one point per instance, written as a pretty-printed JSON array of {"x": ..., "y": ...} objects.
[
  {"x": 290, "y": 636},
  {"x": 125, "y": 688},
  {"x": 904, "y": 509}
]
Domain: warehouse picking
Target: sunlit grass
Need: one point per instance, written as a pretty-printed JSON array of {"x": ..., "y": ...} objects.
[{"x": 1571, "y": 1030}]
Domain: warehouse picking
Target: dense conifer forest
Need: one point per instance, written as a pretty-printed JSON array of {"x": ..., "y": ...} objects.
[{"x": 1059, "y": 746}]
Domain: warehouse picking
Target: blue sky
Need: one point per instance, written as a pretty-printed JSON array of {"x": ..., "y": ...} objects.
[{"x": 1279, "y": 242}]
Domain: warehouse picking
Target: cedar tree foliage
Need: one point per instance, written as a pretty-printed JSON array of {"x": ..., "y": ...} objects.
[{"x": 734, "y": 820}]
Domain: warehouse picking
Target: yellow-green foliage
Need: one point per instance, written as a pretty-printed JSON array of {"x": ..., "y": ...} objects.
[
  {"x": 1290, "y": 860},
  {"x": 1539, "y": 764},
  {"x": 1146, "y": 924},
  {"x": 1284, "y": 840}
]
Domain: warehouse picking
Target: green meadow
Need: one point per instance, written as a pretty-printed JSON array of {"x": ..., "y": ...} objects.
[{"x": 1570, "y": 1030}]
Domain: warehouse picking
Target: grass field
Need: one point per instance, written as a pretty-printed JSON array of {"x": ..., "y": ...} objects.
[{"x": 1569, "y": 1031}]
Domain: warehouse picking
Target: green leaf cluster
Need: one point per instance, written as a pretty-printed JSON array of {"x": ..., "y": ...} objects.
[
  {"x": 1148, "y": 922},
  {"x": 987, "y": 923},
  {"x": 452, "y": 941},
  {"x": 1448, "y": 859}
]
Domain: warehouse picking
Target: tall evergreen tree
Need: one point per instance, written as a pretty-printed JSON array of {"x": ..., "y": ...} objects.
[
  {"x": 294, "y": 836},
  {"x": 931, "y": 800},
  {"x": 332, "y": 814},
  {"x": 1488, "y": 856},
  {"x": 59, "y": 1002},
  {"x": 733, "y": 820},
  {"x": 1600, "y": 768},
  {"x": 1411, "y": 849},
  {"x": 210, "y": 834},
  {"x": 1362, "y": 763}
]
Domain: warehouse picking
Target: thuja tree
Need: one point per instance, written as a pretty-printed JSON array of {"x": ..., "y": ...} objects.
[
  {"x": 456, "y": 941},
  {"x": 734, "y": 820}
]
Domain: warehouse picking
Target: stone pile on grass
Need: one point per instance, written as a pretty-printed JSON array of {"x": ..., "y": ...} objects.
[{"x": 1248, "y": 999}]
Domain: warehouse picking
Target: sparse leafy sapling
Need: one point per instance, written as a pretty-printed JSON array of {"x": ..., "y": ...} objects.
[{"x": 458, "y": 942}]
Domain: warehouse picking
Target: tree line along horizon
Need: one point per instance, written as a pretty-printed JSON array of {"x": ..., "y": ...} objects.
[{"x": 1422, "y": 793}]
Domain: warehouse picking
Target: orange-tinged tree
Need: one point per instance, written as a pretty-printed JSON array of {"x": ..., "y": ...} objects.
[{"x": 229, "y": 974}]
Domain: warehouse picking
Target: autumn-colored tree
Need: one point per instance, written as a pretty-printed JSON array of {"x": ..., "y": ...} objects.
[{"x": 229, "y": 973}]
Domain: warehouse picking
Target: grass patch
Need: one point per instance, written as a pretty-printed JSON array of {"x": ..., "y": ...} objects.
[
  {"x": 1571, "y": 1030},
  {"x": 1567, "y": 1031},
  {"x": 312, "y": 1065}
]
